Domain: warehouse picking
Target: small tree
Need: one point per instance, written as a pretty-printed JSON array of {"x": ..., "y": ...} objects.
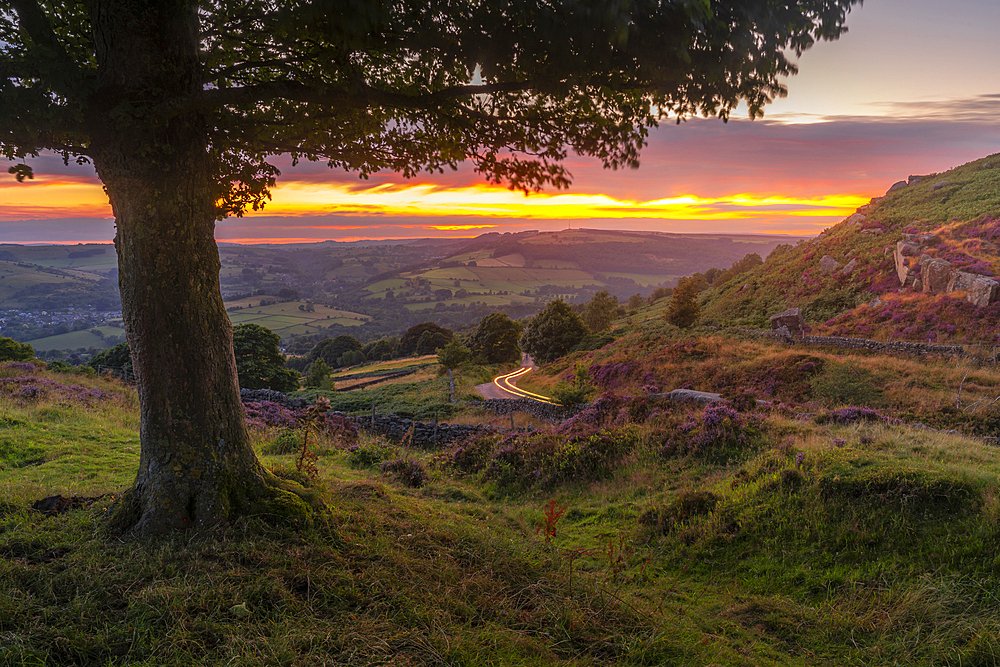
[
  {"x": 571, "y": 394},
  {"x": 259, "y": 362},
  {"x": 319, "y": 376},
  {"x": 495, "y": 339},
  {"x": 332, "y": 350},
  {"x": 684, "y": 310},
  {"x": 453, "y": 355},
  {"x": 408, "y": 343},
  {"x": 551, "y": 333},
  {"x": 600, "y": 311},
  {"x": 11, "y": 350}
]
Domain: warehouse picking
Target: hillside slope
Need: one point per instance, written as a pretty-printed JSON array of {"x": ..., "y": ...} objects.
[{"x": 916, "y": 264}]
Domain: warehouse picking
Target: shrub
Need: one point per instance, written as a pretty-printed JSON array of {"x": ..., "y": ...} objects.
[
  {"x": 720, "y": 434},
  {"x": 407, "y": 471},
  {"x": 368, "y": 456}
]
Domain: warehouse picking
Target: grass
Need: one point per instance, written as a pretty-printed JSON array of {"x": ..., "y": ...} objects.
[{"x": 813, "y": 543}]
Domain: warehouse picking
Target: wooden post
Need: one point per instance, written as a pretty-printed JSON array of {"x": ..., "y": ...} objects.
[
  {"x": 373, "y": 416},
  {"x": 435, "y": 428}
]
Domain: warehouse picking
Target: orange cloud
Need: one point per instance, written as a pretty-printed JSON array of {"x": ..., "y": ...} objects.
[{"x": 392, "y": 200}]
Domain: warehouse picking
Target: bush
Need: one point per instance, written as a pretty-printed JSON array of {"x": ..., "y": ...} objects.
[
  {"x": 407, "y": 471},
  {"x": 720, "y": 435},
  {"x": 368, "y": 456}
]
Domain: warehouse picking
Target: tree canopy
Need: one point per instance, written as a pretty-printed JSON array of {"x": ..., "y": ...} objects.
[
  {"x": 551, "y": 333},
  {"x": 11, "y": 350},
  {"x": 183, "y": 106},
  {"x": 495, "y": 339},
  {"x": 259, "y": 362}
]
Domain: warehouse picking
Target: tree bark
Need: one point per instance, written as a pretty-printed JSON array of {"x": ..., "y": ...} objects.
[{"x": 197, "y": 467}]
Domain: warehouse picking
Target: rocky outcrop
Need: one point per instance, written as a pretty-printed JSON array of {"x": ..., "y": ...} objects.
[
  {"x": 898, "y": 185},
  {"x": 905, "y": 249},
  {"x": 934, "y": 276},
  {"x": 960, "y": 281},
  {"x": 979, "y": 290},
  {"x": 983, "y": 291},
  {"x": 789, "y": 323},
  {"x": 689, "y": 395},
  {"x": 856, "y": 219},
  {"x": 939, "y": 185},
  {"x": 828, "y": 264},
  {"x": 849, "y": 268}
]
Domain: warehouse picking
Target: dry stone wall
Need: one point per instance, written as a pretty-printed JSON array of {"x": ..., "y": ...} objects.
[{"x": 897, "y": 347}]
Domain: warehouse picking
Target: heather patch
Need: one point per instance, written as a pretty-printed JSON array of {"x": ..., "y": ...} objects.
[
  {"x": 407, "y": 471},
  {"x": 31, "y": 389},
  {"x": 719, "y": 434},
  {"x": 855, "y": 414}
]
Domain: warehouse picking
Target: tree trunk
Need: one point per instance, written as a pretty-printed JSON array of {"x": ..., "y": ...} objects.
[{"x": 197, "y": 468}]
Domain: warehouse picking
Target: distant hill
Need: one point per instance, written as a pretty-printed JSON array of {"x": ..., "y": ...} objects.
[
  {"x": 920, "y": 263},
  {"x": 534, "y": 267}
]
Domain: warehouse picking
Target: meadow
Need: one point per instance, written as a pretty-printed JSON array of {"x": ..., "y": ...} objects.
[
  {"x": 806, "y": 529},
  {"x": 287, "y": 318}
]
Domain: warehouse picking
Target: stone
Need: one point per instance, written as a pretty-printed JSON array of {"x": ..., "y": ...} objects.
[
  {"x": 915, "y": 179},
  {"x": 792, "y": 320},
  {"x": 849, "y": 268},
  {"x": 875, "y": 303},
  {"x": 939, "y": 185},
  {"x": 983, "y": 291},
  {"x": 959, "y": 281},
  {"x": 702, "y": 397},
  {"x": 935, "y": 274},
  {"x": 898, "y": 185},
  {"x": 856, "y": 219},
  {"x": 828, "y": 264},
  {"x": 904, "y": 250},
  {"x": 927, "y": 238},
  {"x": 918, "y": 284},
  {"x": 873, "y": 231}
]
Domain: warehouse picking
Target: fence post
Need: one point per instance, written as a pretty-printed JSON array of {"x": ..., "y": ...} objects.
[
  {"x": 435, "y": 428},
  {"x": 373, "y": 416}
]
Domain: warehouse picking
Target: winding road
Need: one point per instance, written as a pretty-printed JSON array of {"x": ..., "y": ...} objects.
[{"x": 503, "y": 385}]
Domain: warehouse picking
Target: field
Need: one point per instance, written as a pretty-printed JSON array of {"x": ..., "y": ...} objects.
[
  {"x": 286, "y": 318},
  {"x": 79, "y": 339}
]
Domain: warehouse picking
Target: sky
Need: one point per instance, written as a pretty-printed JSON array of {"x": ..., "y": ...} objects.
[{"x": 912, "y": 88}]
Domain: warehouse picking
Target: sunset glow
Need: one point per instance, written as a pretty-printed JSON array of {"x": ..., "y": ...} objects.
[{"x": 497, "y": 202}]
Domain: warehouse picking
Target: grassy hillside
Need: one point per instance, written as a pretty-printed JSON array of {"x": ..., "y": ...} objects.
[
  {"x": 959, "y": 208},
  {"x": 531, "y": 268},
  {"x": 799, "y": 532}
]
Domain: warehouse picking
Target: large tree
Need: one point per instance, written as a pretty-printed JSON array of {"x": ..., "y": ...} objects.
[{"x": 180, "y": 105}]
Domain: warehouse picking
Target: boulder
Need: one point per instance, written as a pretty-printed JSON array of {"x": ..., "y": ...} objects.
[
  {"x": 927, "y": 238},
  {"x": 898, "y": 185},
  {"x": 850, "y": 266},
  {"x": 702, "y": 397},
  {"x": 856, "y": 219},
  {"x": 875, "y": 303},
  {"x": 791, "y": 320},
  {"x": 828, "y": 264},
  {"x": 904, "y": 250},
  {"x": 873, "y": 231},
  {"x": 935, "y": 274},
  {"x": 939, "y": 185},
  {"x": 915, "y": 179},
  {"x": 918, "y": 284},
  {"x": 959, "y": 281},
  {"x": 983, "y": 291}
]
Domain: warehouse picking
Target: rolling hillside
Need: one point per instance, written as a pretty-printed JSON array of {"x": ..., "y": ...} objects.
[{"x": 919, "y": 263}]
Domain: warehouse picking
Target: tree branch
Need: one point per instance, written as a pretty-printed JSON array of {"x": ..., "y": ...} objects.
[
  {"x": 53, "y": 56},
  {"x": 363, "y": 98}
]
